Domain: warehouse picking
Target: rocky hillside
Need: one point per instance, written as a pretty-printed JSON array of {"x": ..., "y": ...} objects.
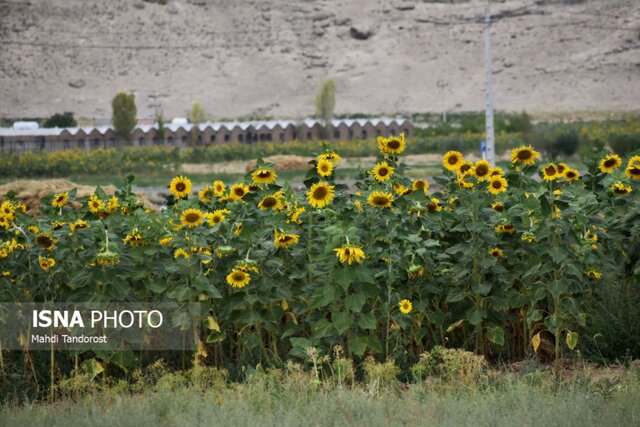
[{"x": 266, "y": 57}]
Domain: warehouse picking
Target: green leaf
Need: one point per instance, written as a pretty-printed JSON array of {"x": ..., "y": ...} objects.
[
  {"x": 355, "y": 302},
  {"x": 358, "y": 345},
  {"x": 482, "y": 288},
  {"x": 572, "y": 339},
  {"x": 368, "y": 321},
  {"x": 92, "y": 367},
  {"x": 341, "y": 321},
  {"x": 496, "y": 335},
  {"x": 344, "y": 276},
  {"x": 476, "y": 316},
  {"x": 322, "y": 328}
]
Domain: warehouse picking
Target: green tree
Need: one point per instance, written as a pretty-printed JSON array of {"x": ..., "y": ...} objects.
[
  {"x": 124, "y": 114},
  {"x": 197, "y": 115},
  {"x": 326, "y": 103},
  {"x": 61, "y": 120},
  {"x": 161, "y": 128}
]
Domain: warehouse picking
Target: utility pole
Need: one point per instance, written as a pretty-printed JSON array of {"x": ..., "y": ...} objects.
[{"x": 488, "y": 74}]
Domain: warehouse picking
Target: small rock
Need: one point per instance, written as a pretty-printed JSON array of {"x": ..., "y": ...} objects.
[
  {"x": 321, "y": 16},
  {"x": 285, "y": 50},
  {"x": 342, "y": 21},
  {"x": 360, "y": 33},
  {"x": 138, "y": 4},
  {"x": 207, "y": 55},
  {"x": 404, "y": 6},
  {"x": 507, "y": 64},
  {"x": 77, "y": 83}
]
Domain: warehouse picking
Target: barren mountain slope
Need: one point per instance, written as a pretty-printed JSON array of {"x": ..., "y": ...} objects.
[{"x": 266, "y": 57}]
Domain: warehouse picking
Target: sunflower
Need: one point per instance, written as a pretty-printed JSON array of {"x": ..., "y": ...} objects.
[
  {"x": 464, "y": 180},
  {"x": 284, "y": 240},
  {"x": 181, "y": 253},
  {"x": 482, "y": 170},
  {"x": 497, "y": 185},
  {"x": 525, "y": 155},
  {"x": 320, "y": 194},
  {"x": 46, "y": 241},
  {"x": 465, "y": 167},
  {"x": 180, "y": 187},
  {"x": 191, "y": 218},
  {"x": 238, "y": 278},
  {"x": 420, "y": 184},
  {"x": 571, "y": 174},
  {"x": 561, "y": 167},
  {"x": 264, "y": 176},
  {"x": 78, "y": 225},
  {"x": 46, "y": 263},
  {"x": 382, "y": 172},
  {"x": 497, "y": 206},
  {"x": 216, "y": 217},
  {"x": 609, "y": 163},
  {"x": 392, "y": 144},
  {"x": 324, "y": 168},
  {"x": 497, "y": 171},
  {"x": 550, "y": 172},
  {"x": 452, "y": 160},
  {"x": 7, "y": 210},
  {"x": 434, "y": 205},
  {"x": 206, "y": 194},
  {"x": 133, "y": 239},
  {"x": 60, "y": 199},
  {"x": 237, "y": 192},
  {"x": 165, "y": 241},
  {"x": 330, "y": 156},
  {"x": 401, "y": 190},
  {"x": 620, "y": 189},
  {"x": 528, "y": 237},
  {"x": 405, "y": 306},
  {"x": 237, "y": 230},
  {"x": 505, "y": 228},
  {"x": 107, "y": 258},
  {"x": 496, "y": 252},
  {"x": 633, "y": 161},
  {"x": 294, "y": 216},
  {"x": 380, "y": 199},
  {"x": 95, "y": 204},
  {"x": 594, "y": 274},
  {"x": 633, "y": 171},
  {"x": 270, "y": 202},
  {"x": 218, "y": 188},
  {"x": 57, "y": 225},
  {"x": 349, "y": 254}
]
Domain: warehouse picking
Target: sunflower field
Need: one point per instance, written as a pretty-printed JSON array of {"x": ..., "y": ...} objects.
[{"x": 498, "y": 260}]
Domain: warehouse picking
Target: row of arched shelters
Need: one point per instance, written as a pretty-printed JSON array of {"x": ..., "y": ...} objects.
[{"x": 183, "y": 135}]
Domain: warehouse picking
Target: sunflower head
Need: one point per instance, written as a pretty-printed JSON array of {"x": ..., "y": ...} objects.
[
  {"x": 420, "y": 185},
  {"x": 380, "y": 199},
  {"x": 218, "y": 188},
  {"x": 452, "y": 160},
  {"x": 434, "y": 205},
  {"x": 496, "y": 252},
  {"x": 264, "y": 176},
  {"x": 237, "y": 192},
  {"x": 482, "y": 170},
  {"x": 329, "y": 156},
  {"x": 465, "y": 180},
  {"x": 392, "y": 145},
  {"x": 405, "y": 306},
  {"x": 609, "y": 163},
  {"x": 571, "y": 174},
  {"x": 505, "y": 228},
  {"x": 466, "y": 167},
  {"x": 324, "y": 168},
  {"x": 191, "y": 218},
  {"x": 206, "y": 194},
  {"x": 349, "y": 254},
  {"x": 46, "y": 263},
  {"x": 46, "y": 241},
  {"x": 620, "y": 189},
  {"x": 633, "y": 171},
  {"x": 181, "y": 253},
  {"x": 95, "y": 204},
  {"x": 497, "y": 185},
  {"x": 497, "y": 171},
  {"x": 320, "y": 194},
  {"x": 270, "y": 202},
  {"x": 284, "y": 240},
  {"x": 107, "y": 258},
  {"x": 525, "y": 155},
  {"x": 60, "y": 199},
  {"x": 497, "y": 206},
  {"x": 238, "y": 278},
  {"x": 382, "y": 172},
  {"x": 180, "y": 187},
  {"x": 550, "y": 172}
]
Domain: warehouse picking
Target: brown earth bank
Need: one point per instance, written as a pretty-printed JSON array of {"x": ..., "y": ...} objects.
[{"x": 267, "y": 57}]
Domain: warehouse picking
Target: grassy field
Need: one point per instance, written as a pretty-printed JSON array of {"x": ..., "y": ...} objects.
[{"x": 265, "y": 400}]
